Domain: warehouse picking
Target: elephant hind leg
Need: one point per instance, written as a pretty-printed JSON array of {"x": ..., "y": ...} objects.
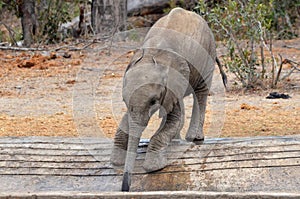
[
  {"x": 118, "y": 154},
  {"x": 195, "y": 131},
  {"x": 156, "y": 153}
]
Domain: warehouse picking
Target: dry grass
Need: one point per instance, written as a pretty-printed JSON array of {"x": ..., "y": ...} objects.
[{"x": 246, "y": 114}]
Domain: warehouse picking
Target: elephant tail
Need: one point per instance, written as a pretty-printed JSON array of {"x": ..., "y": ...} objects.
[{"x": 224, "y": 76}]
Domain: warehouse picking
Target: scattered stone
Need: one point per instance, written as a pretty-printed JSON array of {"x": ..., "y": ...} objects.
[
  {"x": 26, "y": 64},
  {"x": 71, "y": 81},
  {"x": 66, "y": 55},
  {"x": 248, "y": 107},
  {"x": 76, "y": 62},
  {"x": 53, "y": 55}
]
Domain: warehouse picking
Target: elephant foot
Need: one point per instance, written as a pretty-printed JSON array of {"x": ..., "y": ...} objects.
[
  {"x": 155, "y": 161},
  {"x": 118, "y": 156},
  {"x": 195, "y": 136}
]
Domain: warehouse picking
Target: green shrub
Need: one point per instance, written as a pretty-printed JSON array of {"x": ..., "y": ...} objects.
[
  {"x": 243, "y": 27},
  {"x": 285, "y": 18},
  {"x": 52, "y": 15}
]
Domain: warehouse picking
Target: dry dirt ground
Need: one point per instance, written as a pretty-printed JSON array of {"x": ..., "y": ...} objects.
[{"x": 46, "y": 94}]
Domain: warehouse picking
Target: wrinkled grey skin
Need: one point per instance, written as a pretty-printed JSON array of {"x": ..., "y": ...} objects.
[{"x": 176, "y": 59}]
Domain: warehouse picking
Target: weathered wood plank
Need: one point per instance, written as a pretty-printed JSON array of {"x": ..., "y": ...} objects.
[
  {"x": 107, "y": 170},
  {"x": 188, "y": 156},
  {"x": 153, "y": 195},
  {"x": 87, "y": 161},
  {"x": 96, "y": 140},
  {"x": 216, "y": 144},
  {"x": 50, "y": 164}
]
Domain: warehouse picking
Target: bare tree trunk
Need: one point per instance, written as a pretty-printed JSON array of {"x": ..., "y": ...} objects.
[
  {"x": 109, "y": 15},
  {"x": 28, "y": 20}
]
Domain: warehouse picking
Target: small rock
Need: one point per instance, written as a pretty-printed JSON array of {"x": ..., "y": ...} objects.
[
  {"x": 248, "y": 107},
  {"x": 53, "y": 55},
  {"x": 75, "y": 62},
  {"x": 26, "y": 64},
  {"x": 66, "y": 55},
  {"x": 71, "y": 81}
]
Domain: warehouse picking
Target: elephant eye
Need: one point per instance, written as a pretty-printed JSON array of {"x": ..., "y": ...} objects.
[{"x": 153, "y": 101}]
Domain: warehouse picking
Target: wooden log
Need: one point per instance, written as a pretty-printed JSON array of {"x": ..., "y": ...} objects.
[
  {"x": 141, "y": 7},
  {"x": 153, "y": 195},
  {"x": 47, "y": 166}
]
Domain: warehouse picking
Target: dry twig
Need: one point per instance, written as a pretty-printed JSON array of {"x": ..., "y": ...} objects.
[
  {"x": 9, "y": 31},
  {"x": 68, "y": 47},
  {"x": 21, "y": 48},
  {"x": 295, "y": 66},
  {"x": 73, "y": 48},
  {"x": 279, "y": 70},
  {"x": 286, "y": 46}
]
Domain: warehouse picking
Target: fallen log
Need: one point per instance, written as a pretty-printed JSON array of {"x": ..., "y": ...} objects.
[
  {"x": 141, "y": 7},
  {"x": 253, "y": 167}
]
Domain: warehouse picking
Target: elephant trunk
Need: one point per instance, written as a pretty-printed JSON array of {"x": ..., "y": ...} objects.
[{"x": 135, "y": 132}]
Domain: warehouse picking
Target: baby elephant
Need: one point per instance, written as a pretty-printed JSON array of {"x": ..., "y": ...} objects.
[{"x": 176, "y": 59}]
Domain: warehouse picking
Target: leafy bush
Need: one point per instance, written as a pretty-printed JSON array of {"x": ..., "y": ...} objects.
[
  {"x": 286, "y": 18},
  {"x": 243, "y": 27},
  {"x": 52, "y": 14}
]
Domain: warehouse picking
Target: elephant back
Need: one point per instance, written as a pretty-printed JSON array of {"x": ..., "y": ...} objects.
[
  {"x": 186, "y": 34},
  {"x": 189, "y": 24}
]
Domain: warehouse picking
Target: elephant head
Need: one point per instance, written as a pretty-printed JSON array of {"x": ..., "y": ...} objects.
[{"x": 154, "y": 80}]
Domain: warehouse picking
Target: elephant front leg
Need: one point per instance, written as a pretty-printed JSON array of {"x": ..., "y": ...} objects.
[
  {"x": 156, "y": 153},
  {"x": 195, "y": 132},
  {"x": 120, "y": 143}
]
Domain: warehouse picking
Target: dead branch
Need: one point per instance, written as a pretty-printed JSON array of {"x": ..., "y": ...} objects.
[
  {"x": 294, "y": 67},
  {"x": 289, "y": 73},
  {"x": 21, "y": 48},
  {"x": 68, "y": 47},
  {"x": 286, "y": 46},
  {"x": 270, "y": 50},
  {"x": 86, "y": 46},
  {"x": 73, "y": 48},
  {"x": 279, "y": 70},
  {"x": 111, "y": 40},
  {"x": 9, "y": 31},
  {"x": 292, "y": 62},
  {"x": 262, "y": 55},
  {"x": 273, "y": 60},
  {"x": 4, "y": 43},
  {"x": 262, "y": 58}
]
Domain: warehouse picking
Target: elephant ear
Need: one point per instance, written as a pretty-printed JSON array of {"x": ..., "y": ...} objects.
[
  {"x": 177, "y": 84},
  {"x": 138, "y": 56}
]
